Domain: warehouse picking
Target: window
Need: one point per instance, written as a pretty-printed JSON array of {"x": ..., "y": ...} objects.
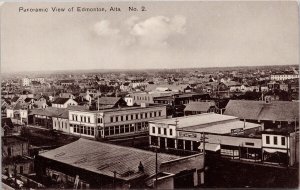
[
  {"x": 283, "y": 141},
  {"x": 141, "y": 115},
  {"x": 275, "y": 140},
  {"x": 153, "y": 129},
  {"x": 171, "y": 132},
  {"x": 136, "y": 116},
  {"x": 159, "y": 130},
  {"x": 126, "y": 117},
  {"x": 146, "y": 115},
  {"x": 159, "y": 113},
  {"x": 165, "y": 131},
  {"x": 131, "y": 117},
  {"x": 150, "y": 114},
  {"x": 84, "y": 119},
  {"x": 154, "y": 114},
  {"x": 122, "y": 118},
  {"x": 88, "y": 119},
  {"x": 111, "y": 119},
  {"x": 117, "y": 118},
  {"x": 99, "y": 121},
  {"x": 267, "y": 139}
]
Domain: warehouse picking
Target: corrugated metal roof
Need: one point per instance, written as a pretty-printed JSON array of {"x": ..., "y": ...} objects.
[{"x": 105, "y": 158}]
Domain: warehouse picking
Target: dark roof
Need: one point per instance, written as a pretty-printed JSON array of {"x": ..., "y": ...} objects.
[
  {"x": 108, "y": 100},
  {"x": 7, "y": 122},
  {"x": 199, "y": 106},
  {"x": 14, "y": 99},
  {"x": 28, "y": 99},
  {"x": 103, "y": 158},
  {"x": 60, "y": 100},
  {"x": 51, "y": 112},
  {"x": 259, "y": 110}
]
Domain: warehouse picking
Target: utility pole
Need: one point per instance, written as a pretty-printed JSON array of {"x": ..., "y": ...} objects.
[{"x": 156, "y": 169}]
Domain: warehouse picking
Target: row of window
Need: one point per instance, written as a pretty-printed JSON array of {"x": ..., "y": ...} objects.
[
  {"x": 60, "y": 124},
  {"x": 135, "y": 116},
  {"x": 129, "y": 128},
  {"x": 161, "y": 130},
  {"x": 80, "y": 129},
  {"x": 85, "y": 119},
  {"x": 275, "y": 140},
  {"x": 141, "y": 98}
]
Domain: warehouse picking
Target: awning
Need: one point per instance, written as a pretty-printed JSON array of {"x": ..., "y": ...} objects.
[
  {"x": 271, "y": 150},
  {"x": 210, "y": 147}
]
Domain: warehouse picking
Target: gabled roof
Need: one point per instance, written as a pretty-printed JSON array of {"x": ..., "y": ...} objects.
[
  {"x": 7, "y": 122},
  {"x": 103, "y": 158},
  {"x": 199, "y": 106},
  {"x": 259, "y": 110},
  {"x": 60, "y": 100}
]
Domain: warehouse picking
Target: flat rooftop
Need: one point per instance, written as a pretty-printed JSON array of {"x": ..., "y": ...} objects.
[
  {"x": 197, "y": 120},
  {"x": 222, "y": 128},
  {"x": 114, "y": 109}
]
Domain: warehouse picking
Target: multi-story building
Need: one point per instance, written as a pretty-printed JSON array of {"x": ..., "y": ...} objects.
[
  {"x": 114, "y": 122},
  {"x": 185, "y": 133},
  {"x": 28, "y": 81},
  {"x": 15, "y": 158},
  {"x": 280, "y": 77}
]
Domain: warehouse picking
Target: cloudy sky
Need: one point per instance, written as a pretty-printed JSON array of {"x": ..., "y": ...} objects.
[{"x": 167, "y": 35}]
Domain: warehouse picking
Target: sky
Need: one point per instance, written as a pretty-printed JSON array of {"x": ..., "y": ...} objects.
[{"x": 167, "y": 35}]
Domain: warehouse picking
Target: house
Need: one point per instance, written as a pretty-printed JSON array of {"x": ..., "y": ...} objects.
[
  {"x": 125, "y": 87},
  {"x": 15, "y": 158},
  {"x": 193, "y": 108},
  {"x": 76, "y": 165},
  {"x": 272, "y": 114},
  {"x": 7, "y": 126},
  {"x": 63, "y": 102},
  {"x": 67, "y": 95},
  {"x": 86, "y": 96},
  {"x": 40, "y": 104}
]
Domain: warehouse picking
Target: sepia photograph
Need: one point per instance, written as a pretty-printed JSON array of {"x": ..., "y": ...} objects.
[{"x": 141, "y": 94}]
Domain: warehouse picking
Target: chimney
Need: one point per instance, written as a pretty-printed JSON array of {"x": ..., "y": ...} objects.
[{"x": 141, "y": 167}]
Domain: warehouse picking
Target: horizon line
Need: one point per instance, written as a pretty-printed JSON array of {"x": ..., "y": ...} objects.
[{"x": 113, "y": 70}]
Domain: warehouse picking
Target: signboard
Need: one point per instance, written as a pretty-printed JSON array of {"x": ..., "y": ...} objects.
[
  {"x": 187, "y": 134},
  {"x": 237, "y": 131}
]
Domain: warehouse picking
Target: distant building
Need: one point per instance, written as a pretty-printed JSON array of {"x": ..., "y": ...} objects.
[
  {"x": 193, "y": 108},
  {"x": 29, "y": 81},
  {"x": 281, "y": 77},
  {"x": 63, "y": 102},
  {"x": 271, "y": 114}
]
